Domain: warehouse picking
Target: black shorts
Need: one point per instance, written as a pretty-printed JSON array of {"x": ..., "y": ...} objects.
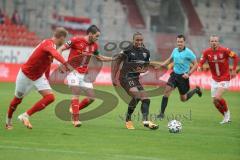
[
  {"x": 128, "y": 83},
  {"x": 176, "y": 80}
]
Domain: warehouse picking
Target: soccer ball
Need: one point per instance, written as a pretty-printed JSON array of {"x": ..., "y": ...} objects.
[{"x": 174, "y": 126}]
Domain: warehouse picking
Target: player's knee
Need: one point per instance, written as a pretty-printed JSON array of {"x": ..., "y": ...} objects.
[
  {"x": 216, "y": 98},
  {"x": 134, "y": 102},
  {"x": 19, "y": 95},
  {"x": 167, "y": 92},
  {"x": 183, "y": 98},
  {"x": 16, "y": 101}
]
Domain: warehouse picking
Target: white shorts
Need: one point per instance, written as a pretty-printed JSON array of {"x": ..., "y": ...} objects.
[
  {"x": 24, "y": 84},
  {"x": 215, "y": 85},
  {"x": 77, "y": 79}
]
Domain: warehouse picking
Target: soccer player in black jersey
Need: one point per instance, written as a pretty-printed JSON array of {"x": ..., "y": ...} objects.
[{"x": 135, "y": 60}]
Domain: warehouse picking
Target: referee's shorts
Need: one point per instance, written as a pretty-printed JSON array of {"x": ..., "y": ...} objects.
[{"x": 176, "y": 80}]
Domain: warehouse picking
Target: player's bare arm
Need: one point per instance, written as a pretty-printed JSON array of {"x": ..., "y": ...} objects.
[
  {"x": 61, "y": 67},
  {"x": 234, "y": 57},
  {"x": 201, "y": 62},
  {"x": 115, "y": 67},
  {"x": 167, "y": 61},
  {"x": 194, "y": 68},
  {"x": 104, "y": 58},
  {"x": 61, "y": 49},
  {"x": 156, "y": 64}
]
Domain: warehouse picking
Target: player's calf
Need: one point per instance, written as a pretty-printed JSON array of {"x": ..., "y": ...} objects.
[{"x": 196, "y": 90}]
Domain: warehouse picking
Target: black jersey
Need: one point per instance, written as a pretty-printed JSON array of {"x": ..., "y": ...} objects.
[{"x": 135, "y": 61}]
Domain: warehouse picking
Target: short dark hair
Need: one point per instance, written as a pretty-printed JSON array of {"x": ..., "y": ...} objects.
[
  {"x": 93, "y": 29},
  {"x": 181, "y": 36}
]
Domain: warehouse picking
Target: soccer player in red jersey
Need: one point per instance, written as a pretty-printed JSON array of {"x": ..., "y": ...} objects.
[
  {"x": 82, "y": 48},
  {"x": 32, "y": 75},
  {"x": 218, "y": 60}
]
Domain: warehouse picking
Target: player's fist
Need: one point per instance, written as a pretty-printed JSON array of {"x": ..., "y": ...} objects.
[
  {"x": 199, "y": 69},
  {"x": 185, "y": 76},
  {"x": 233, "y": 74}
]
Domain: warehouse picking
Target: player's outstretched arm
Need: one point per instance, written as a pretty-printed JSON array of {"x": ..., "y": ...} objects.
[
  {"x": 59, "y": 58},
  {"x": 167, "y": 61},
  {"x": 157, "y": 65},
  {"x": 61, "y": 49},
  {"x": 115, "y": 67},
  {"x": 234, "y": 56},
  {"x": 201, "y": 62},
  {"x": 104, "y": 58}
]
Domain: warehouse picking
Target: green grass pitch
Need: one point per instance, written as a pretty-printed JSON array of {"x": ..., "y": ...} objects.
[{"x": 106, "y": 138}]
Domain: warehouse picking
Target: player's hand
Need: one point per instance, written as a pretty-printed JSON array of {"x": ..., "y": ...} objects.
[
  {"x": 61, "y": 69},
  {"x": 69, "y": 68},
  {"x": 158, "y": 66},
  {"x": 233, "y": 74},
  {"x": 65, "y": 68},
  {"x": 199, "y": 69},
  {"x": 185, "y": 76},
  {"x": 114, "y": 81}
]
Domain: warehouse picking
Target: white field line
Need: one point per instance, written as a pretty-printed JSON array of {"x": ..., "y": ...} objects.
[{"x": 119, "y": 156}]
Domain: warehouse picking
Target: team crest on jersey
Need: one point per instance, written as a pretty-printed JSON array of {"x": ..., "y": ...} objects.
[
  {"x": 132, "y": 54},
  {"x": 69, "y": 43}
]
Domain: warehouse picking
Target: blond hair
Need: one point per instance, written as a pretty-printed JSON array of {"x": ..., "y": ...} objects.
[{"x": 60, "y": 32}]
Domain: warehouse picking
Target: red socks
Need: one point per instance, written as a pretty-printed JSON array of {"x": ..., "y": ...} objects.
[
  {"x": 41, "y": 104},
  {"x": 13, "y": 106},
  {"x": 221, "y": 105},
  {"x": 84, "y": 103},
  {"x": 74, "y": 105},
  {"x": 224, "y": 105}
]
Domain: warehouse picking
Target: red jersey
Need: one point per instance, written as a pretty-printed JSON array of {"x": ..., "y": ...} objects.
[
  {"x": 218, "y": 61},
  {"x": 40, "y": 60},
  {"x": 80, "y": 53}
]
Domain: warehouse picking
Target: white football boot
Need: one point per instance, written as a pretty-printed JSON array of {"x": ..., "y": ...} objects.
[
  {"x": 24, "y": 119},
  {"x": 226, "y": 118},
  {"x": 8, "y": 125}
]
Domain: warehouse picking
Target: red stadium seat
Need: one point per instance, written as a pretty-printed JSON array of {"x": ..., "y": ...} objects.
[{"x": 17, "y": 35}]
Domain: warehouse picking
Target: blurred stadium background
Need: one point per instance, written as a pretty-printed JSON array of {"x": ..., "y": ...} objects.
[{"x": 25, "y": 23}]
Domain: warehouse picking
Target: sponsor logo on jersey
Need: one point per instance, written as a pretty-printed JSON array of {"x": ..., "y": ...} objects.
[
  {"x": 145, "y": 55},
  {"x": 221, "y": 55}
]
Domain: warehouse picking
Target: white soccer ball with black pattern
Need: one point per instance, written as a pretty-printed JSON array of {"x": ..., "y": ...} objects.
[{"x": 174, "y": 126}]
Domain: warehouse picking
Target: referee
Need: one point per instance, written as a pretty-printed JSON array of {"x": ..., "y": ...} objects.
[{"x": 182, "y": 57}]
